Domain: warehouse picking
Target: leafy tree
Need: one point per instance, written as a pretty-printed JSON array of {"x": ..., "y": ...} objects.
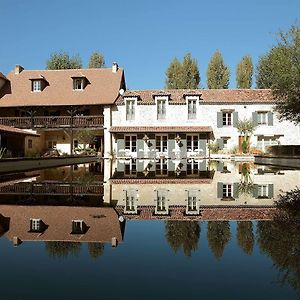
[
  {"x": 85, "y": 136},
  {"x": 58, "y": 249},
  {"x": 62, "y": 60},
  {"x": 244, "y": 72},
  {"x": 218, "y": 235},
  {"x": 279, "y": 70},
  {"x": 245, "y": 236},
  {"x": 183, "y": 75},
  {"x": 96, "y": 249},
  {"x": 183, "y": 234},
  {"x": 96, "y": 60},
  {"x": 190, "y": 72},
  {"x": 217, "y": 72}
]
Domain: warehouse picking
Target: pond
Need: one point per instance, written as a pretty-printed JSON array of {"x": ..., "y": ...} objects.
[{"x": 149, "y": 229}]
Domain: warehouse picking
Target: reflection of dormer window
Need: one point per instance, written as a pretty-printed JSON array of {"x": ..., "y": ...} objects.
[
  {"x": 36, "y": 85},
  {"x": 35, "y": 224},
  {"x": 78, "y": 227},
  {"x": 192, "y": 203},
  {"x": 130, "y": 201},
  {"x": 161, "y": 202}
]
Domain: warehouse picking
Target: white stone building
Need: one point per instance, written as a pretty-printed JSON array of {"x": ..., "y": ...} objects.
[{"x": 182, "y": 123}]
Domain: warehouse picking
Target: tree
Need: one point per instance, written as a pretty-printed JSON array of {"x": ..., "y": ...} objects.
[
  {"x": 86, "y": 136},
  {"x": 59, "y": 249},
  {"x": 217, "y": 72},
  {"x": 62, "y": 60},
  {"x": 279, "y": 70},
  {"x": 183, "y": 234},
  {"x": 244, "y": 72},
  {"x": 218, "y": 235},
  {"x": 96, "y": 60},
  {"x": 95, "y": 249},
  {"x": 245, "y": 236},
  {"x": 183, "y": 75},
  {"x": 190, "y": 72}
]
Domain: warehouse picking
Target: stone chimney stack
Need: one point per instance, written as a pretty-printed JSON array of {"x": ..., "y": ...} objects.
[
  {"x": 18, "y": 69},
  {"x": 114, "y": 67}
]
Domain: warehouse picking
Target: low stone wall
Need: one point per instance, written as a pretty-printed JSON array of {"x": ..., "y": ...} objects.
[
  {"x": 10, "y": 165},
  {"x": 281, "y": 161}
]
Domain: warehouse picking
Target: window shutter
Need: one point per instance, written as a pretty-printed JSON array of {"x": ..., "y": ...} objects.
[
  {"x": 271, "y": 190},
  {"x": 219, "y": 119},
  {"x": 254, "y": 118},
  {"x": 270, "y": 118},
  {"x": 235, "y": 118},
  {"x": 235, "y": 190},
  {"x": 202, "y": 145},
  {"x": 255, "y": 191},
  {"x": 220, "y": 143},
  {"x": 220, "y": 190},
  {"x": 220, "y": 166},
  {"x": 121, "y": 146}
]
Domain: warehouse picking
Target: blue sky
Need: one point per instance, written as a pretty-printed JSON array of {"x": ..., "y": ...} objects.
[{"x": 142, "y": 36}]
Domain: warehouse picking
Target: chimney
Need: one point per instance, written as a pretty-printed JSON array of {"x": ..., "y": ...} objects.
[
  {"x": 114, "y": 67},
  {"x": 18, "y": 69}
]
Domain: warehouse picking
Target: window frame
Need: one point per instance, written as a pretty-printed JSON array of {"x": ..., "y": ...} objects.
[
  {"x": 260, "y": 116},
  {"x": 75, "y": 84},
  {"x": 228, "y": 120},
  {"x": 192, "y": 104},
  {"x": 36, "y": 85},
  {"x": 130, "y": 107},
  {"x": 161, "y": 107},
  {"x": 228, "y": 191}
]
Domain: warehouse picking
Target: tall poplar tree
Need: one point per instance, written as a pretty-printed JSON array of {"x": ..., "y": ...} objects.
[
  {"x": 96, "y": 60},
  {"x": 183, "y": 75},
  {"x": 217, "y": 72},
  {"x": 244, "y": 72}
]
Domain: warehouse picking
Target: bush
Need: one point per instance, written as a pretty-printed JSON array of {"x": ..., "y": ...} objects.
[
  {"x": 214, "y": 147},
  {"x": 244, "y": 146}
]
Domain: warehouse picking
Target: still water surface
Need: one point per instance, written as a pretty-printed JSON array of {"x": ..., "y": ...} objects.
[{"x": 160, "y": 255}]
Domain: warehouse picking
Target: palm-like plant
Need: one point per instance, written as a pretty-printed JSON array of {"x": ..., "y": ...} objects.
[{"x": 246, "y": 128}]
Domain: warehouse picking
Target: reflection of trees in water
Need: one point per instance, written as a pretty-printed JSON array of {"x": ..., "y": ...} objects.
[
  {"x": 245, "y": 236},
  {"x": 96, "y": 249},
  {"x": 218, "y": 235},
  {"x": 183, "y": 234},
  {"x": 280, "y": 239},
  {"x": 59, "y": 249}
]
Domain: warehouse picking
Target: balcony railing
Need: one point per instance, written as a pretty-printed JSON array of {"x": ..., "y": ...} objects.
[{"x": 53, "y": 122}]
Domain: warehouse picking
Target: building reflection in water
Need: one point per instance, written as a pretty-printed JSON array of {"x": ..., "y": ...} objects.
[{"x": 68, "y": 206}]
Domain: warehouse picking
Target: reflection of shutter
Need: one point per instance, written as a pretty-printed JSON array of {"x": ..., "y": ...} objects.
[
  {"x": 235, "y": 118},
  {"x": 220, "y": 144},
  {"x": 235, "y": 190},
  {"x": 30, "y": 224},
  {"x": 255, "y": 191},
  {"x": 254, "y": 118},
  {"x": 220, "y": 190},
  {"x": 219, "y": 119},
  {"x": 270, "y": 118},
  {"x": 270, "y": 190},
  {"x": 140, "y": 146},
  {"x": 220, "y": 166},
  {"x": 171, "y": 146}
]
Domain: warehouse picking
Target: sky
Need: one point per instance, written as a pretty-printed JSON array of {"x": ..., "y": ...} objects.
[{"x": 142, "y": 36}]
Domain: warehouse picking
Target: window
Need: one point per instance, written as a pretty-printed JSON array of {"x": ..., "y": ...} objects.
[
  {"x": 262, "y": 191},
  {"x": 227, "y": 191},
  {"x": 192, "y": 142},
  {"x": 130, "y": 109},
  {"x": 262, "y": 118},
  {"x": 227, "y": 118},
  {"x": 161, "y": 167},
  {"x": 161, "y": 143},
  {"x": 192, "y": 167},
  {"x": 35, "y": 225},
  {"x": 225, "y": 142},
  {"x": 130, "y": 143},
  {"x": 192, "y": 109},
  {"x": 75, "y": 144},
  {"x": 130, "y": 201},
  {"x": 52, "y": 144},
  {"x": 130, "y": 167},
  {"x": 192, "y": 201},
  {"x": 77, "y": 227},
  {"x": 161, "y": 202},
  {"x": 29, "y": 144},
  {"x": 161, "y": 109},
  {"x": 78, "y": 84},
  {"x": 36, "y": 85}
]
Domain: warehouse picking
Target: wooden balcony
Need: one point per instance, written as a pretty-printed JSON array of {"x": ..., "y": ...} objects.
[{"x": 53, "y": 122}]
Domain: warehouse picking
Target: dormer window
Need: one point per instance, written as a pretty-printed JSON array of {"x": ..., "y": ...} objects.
[
  {"x": 161, "y": 104},
  {"x": 78, "y": 84},
  {"x": 192, "y": 106},
  {"x": 37, "y": 225},
  {"x": 79, "y": 227},
  {"x": 36, "y": 86},
  {"x": 130, "y": 107}
]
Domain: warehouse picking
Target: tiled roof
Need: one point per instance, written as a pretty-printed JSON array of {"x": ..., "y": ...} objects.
[
  {"x": 9, "y": 129},
  {"x": 206, "y": 95},
  {"x": 119, "y": 129},
  {"x": 2, "y": 76},
  {"x": 162, "y": 180},
  {"x": 103, "y": 223},
  {"x": 103, "y": 88}
]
